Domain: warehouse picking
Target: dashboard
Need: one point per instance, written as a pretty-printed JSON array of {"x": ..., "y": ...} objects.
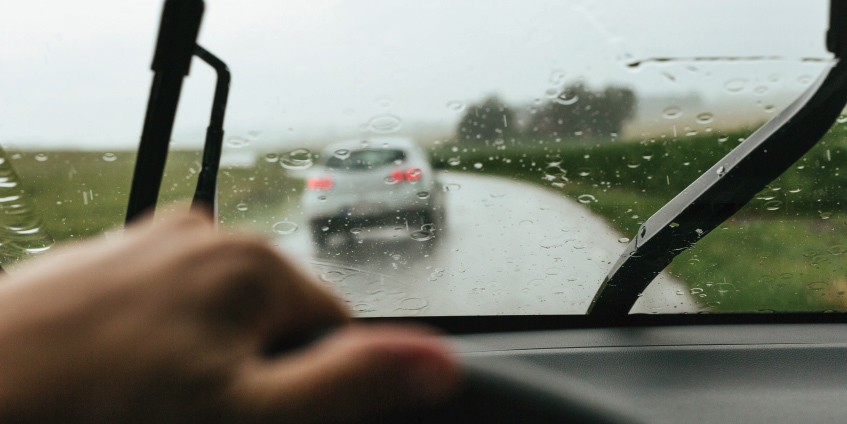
[{"x": 744, "y": 373}]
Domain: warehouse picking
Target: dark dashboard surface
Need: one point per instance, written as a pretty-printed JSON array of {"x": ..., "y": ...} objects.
[{"x": 761, "y": 373}]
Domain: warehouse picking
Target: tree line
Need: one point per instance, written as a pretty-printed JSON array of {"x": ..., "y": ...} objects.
[{"x": 575, "y": 110}]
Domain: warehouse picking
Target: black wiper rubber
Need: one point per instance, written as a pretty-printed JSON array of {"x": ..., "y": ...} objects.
[
  {"x": 207, "y": 193},
  {"x": 728, "y": 185},
  {"x": 171, "y": 62}
]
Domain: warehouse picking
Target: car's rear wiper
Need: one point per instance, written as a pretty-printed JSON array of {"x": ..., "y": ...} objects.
[
  {"x": 732, "y": 181},
  {"x": 175, "y": 47}
]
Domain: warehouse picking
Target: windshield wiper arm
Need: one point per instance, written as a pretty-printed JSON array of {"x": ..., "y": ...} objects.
[
  {"x": 206, "y": 193},
  {"x": 175, "y": 47},
  {"x": 728, "y": 185}
]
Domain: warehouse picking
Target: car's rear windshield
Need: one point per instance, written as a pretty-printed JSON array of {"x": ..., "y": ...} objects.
[{"x": 362, "y": 160}]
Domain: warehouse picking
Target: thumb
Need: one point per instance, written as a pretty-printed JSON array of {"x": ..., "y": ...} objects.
[{"x": 355, "y": 372}]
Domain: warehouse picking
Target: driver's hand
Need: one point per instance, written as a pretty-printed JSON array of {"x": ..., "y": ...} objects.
[{"x": 167, "y": 323}]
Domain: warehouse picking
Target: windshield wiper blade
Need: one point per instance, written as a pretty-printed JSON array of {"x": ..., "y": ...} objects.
[
  {"x": 732, "y": 182},
  {"x": 175, "y": 47},
  {"x": 171, "y": 63}
]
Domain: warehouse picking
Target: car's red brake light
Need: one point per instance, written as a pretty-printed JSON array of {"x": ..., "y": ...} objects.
[
  {"x": 398, "y": 176},
  {"x": 395, "y": 176},
  {"x": 413, "y": 174},
  {"x": 319, "y": 183}
]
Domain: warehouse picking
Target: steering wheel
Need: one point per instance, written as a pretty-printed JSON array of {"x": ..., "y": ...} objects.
[{"x": 509, "y": 390}]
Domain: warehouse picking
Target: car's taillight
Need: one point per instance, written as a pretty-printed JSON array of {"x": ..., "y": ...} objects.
[
  {"x": 319, "y": 183},
  {"x": 397, "y": 176},
  {"x": 413, "y": 174}
]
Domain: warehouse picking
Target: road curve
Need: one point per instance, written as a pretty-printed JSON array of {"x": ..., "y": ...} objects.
[{"x": 503, "y": 248}]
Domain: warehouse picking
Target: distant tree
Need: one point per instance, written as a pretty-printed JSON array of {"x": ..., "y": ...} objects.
[
  {"x": 486, "y": 122},
  {"x": 578, "y": 109}
]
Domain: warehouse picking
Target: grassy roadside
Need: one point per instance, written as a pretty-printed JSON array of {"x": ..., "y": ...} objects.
[
  {"x": 787, "y": 257},
  {"x": 781, "y": 252},
  {"x": 80, "y": 194}
]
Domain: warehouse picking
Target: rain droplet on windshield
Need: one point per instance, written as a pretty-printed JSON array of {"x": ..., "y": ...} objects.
[
  {"x": 705, "y": 118},
  {"x": 423, "y": 195},
  {"x": 286, "y": 227},
  {"x": 773, "y": 205},
  {"x": 837, "y": 249},
  {"x": 817, "y": 285},
  {"x": 566, "y": 99},
  {"x": 296, "y": 159},
  {"x": 412, "y": 304},
  {"x": 363, "y": 308},
  {"x": 41, "y": 157},
  {"x": 735, "y": 85},
  {"x": 237, "y": 142},
  {"x": 421, "y": 235},
  {"x": 342, "y": 154},
  {"x": 109, "y": 157},
  {"x": 553, "y": 242},
  {"x": 241, "y": 206},
  {"x": 586, "y": 198},
  {"x": 455, "y": 106},
  {"x": 385, "y": 124},
  {"x": 672, "y": 112}
]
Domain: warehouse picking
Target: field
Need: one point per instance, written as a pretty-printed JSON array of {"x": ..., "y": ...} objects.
[{"x": 783, "y": 251}]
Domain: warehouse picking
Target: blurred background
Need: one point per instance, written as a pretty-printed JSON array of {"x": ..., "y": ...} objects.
[{"x": 550, "y": 130}]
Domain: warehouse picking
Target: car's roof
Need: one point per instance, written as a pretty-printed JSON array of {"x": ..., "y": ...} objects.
[{"x": 362, "y": 143}]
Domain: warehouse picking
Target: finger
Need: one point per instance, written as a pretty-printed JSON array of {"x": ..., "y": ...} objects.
[
  {"x": 171, "y": 236},
  {"x": 253, "y": 286},
  {"x": 357, "y": 372}
]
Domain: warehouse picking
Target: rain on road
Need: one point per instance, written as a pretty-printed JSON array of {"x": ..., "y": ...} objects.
[{"x": 504, "y": 248}]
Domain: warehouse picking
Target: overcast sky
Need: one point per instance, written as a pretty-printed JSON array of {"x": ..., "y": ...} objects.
[{"x": 78, "y": 72}]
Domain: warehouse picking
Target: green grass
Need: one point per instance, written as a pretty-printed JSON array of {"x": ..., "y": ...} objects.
[
  {"x": 79, "y": 194},
  {"x": 783, "y": 259}
]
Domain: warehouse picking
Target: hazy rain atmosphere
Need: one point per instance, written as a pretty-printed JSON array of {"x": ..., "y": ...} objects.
[
  {"x": 441, "y": 157},
  {"x": 77, "y": 74}
]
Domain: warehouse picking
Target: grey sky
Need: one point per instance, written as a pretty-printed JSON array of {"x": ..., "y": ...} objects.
[{"x": 78, "y": 72}]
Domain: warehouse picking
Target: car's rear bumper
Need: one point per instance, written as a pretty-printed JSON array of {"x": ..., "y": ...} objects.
[{"x": 360, "y": 206}]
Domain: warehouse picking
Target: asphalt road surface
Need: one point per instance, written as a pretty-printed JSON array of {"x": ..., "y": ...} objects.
[{"x": 503, "y": 248}]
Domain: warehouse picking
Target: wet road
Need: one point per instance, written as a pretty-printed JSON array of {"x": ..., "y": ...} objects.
[{"x": 503, "y": 247}]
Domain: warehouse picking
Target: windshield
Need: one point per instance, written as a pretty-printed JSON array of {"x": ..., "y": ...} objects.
[{"x": 495, "y": 160}]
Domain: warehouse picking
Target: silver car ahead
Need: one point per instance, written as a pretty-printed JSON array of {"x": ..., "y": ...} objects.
[{"x": 369, "y": 183}]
